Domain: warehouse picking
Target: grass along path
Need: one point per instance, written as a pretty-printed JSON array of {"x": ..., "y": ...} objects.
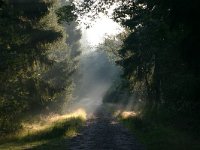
[
  {"x": 50, "y": 133},
  {"x": 160, "y": 137}
]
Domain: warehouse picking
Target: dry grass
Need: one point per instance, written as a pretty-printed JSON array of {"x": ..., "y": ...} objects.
[
  {"x": 48, "y": 130},
  {"x": 47, "y": 122},
  {"x": 125, "y": 114}
]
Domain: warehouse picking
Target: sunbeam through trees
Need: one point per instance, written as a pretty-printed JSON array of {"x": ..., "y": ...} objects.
[{"x": 124, "y": 63}]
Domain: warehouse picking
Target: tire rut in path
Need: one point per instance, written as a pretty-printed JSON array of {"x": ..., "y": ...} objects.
[{"x": 104, "y": 133}]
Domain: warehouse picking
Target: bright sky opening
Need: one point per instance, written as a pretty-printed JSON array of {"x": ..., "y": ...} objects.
[{"x": 101, "y": 27}]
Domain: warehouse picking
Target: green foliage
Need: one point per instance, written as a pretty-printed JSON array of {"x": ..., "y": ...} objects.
[
  {"x": 159, "y": 56},
  {"x": 34, "y": 58},
  {"x": 65, "y": 13},
  {"x": 156, "y": 137}
]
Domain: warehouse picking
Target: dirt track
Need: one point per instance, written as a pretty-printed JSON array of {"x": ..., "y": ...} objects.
[{"x": 104, "y": 133}]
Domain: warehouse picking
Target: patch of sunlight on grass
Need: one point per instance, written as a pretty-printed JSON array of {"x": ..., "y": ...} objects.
[
  {"x": 78, "y": 113},
  {"x": 44, "y": 131},
  {"x": 71, "y": 132},
  {"x": 48, "y": 122},
  {"x": 125, "y": 114}
]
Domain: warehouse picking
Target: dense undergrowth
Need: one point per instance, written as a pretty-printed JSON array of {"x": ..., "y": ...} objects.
[{"x": 162, "y": 135}]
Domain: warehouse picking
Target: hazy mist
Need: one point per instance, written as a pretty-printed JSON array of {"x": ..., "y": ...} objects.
[{"x": 95, "y": 76}]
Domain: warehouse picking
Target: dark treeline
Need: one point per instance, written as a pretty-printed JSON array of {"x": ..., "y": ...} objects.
[
  {"x": 159, "y": 58},
  {"x": 37, "y": 59}
]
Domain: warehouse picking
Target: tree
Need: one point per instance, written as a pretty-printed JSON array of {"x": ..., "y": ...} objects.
[
  {"x": 31, "y": 39},
  {"x": 160, "y": 53}
]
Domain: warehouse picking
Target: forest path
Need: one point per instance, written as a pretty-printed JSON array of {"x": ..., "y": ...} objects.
[
  {"x": 103, "y": 132},
  {"x": 100, "y": 132}
]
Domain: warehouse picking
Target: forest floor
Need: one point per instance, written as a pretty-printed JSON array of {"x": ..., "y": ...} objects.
[{"x": 100, "y": 132}]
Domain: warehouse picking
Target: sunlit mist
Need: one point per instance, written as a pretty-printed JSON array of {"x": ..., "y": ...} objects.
[
  {"x": 102, "y": 26},
  {"x": 96, "y": 75}
]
